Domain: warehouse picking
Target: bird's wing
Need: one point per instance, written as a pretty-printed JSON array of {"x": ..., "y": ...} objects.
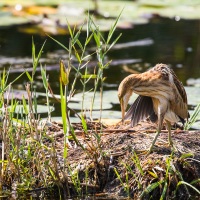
[
  {"x": 181, "y": 105},
  {"x": 141, "y": 109}
]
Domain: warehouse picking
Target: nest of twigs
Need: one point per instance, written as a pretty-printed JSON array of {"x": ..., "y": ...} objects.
[
  {"x": 108, "y": 161},
  {"x": 115, "y": 163}
]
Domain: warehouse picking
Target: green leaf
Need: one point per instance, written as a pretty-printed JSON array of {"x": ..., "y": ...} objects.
[
  {"x": 151, "y": 187},
  {"x": 29, "y": 76},
  {"x": 193, "y": 118},
  {"x": 80, "y": 45},
  {"x": 3, "y": 79},
  {"x": 88, "y": 25},
  {"x": 164, "y": 191},
  {"x": 44, "y": 77},
  {"x": 36, "y": 59},
  {"x": 75, "y": 138},
  {"x": 63, "y": 109},
  {"x": 115, "y": 41},
  {"x": 89, "y": 38},
  {"x": 13, "y": 80},
  {"x": 153, "y": 174},
  {"x": 13, "y": 106},
  {"x": 195, "y": 181},
  {"x": 33, "y": 50},
  {"x": 65, "y": 152},
  {"x": 69, "y": 29},
  {"x": 137, "y": 162},
  {"x": 186, "y": 155},
  {"x": 63, "y": 46},
  {"x": 113, "y": 28},
  {"x": 52, "y": 173},
  {"x": 185, "y": 183},
  {"x": 77, "y": 56},
  {"x": 84, "y": 124},
  {"x": 107, "y": 64},
  {"x": 97, "y": 39},
  {"x": 89, "y": 76},
  {"x": 75, "y": 38}
]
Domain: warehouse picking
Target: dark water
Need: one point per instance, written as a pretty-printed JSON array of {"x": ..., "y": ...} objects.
[{"x": 174, "y": 42}]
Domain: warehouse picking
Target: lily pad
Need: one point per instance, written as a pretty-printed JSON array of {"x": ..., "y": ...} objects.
[
  {"x": 193, "y": 82},
  {"x": 40, "y": 109},
  {"x": 59, "y": 119},
  {"x": 196, "y": 125},
  {"x": 76, "y": 12},
  {"x": 109, "y": 96},
  {"x": 8, "y": 20},
  {"x": 193, "y": 95},
  {"x": 106, "y": 114},
  {"x": 87, "y": 105}
]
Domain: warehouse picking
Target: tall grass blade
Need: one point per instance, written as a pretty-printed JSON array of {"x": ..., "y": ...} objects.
[
  {"x": 121, "y": 181},
  {"x": 36, "y": 58},
  {"x": 18, "y": 77},
  {"x": 84, "y": 124},
  {"x": 151, "y": 187},
  {"x": 59, "y": 43},
  {"x": 70, "y": 30},
  {"x": 188, "y": 184},
  {"x": 133, "y": 174},
  {"x": 63, "y": 109},
  {"x": 29, "y": 76},
  {"x": 195, "y": 181},
  {"x": 75, "y": 138},
  {"x": 44, "y": 77},
  {"x": 193, "y": 118},
  {"x": 164, "y": 191},
  {"x": 113, "y": 43},
  {"x": 137, "y": 162},
  {"x": 113, "y": 28}
]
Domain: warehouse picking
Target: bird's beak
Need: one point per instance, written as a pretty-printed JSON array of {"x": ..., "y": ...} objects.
[{"x": 122, "y": 109}]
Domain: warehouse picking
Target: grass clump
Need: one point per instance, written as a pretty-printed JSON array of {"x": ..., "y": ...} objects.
[
  {"x": 157, "y": 177},
  {"x": 193, "y": 118}
]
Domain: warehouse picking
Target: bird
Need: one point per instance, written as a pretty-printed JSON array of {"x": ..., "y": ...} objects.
[{"x": 162, "y": 98}]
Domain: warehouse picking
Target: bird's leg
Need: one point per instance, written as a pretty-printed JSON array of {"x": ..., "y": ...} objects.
[
  {"x": 160, "y": 121},
  {"x": 169, "y": 131}
]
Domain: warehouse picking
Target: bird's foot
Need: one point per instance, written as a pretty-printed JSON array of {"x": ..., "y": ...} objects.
[
  {"x": 170, "y": 143},
  {"x": 172, "y": 146},
  {"x": 151, "y": 149}
]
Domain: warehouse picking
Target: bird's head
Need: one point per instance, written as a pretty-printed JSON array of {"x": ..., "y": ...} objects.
[{"x": 124, "y": 93}]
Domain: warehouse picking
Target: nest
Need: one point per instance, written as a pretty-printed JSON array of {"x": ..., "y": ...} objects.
[{"x": 114, "y": 159}]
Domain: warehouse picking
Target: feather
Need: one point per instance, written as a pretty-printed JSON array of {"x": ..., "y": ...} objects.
[{"x": 140, "y": 110}]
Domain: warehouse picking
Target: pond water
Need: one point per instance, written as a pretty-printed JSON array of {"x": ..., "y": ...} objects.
[{"x": 162, "y": 40}]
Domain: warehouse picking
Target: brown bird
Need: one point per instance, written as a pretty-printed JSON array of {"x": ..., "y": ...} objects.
[{"x": 162, "y": 97}]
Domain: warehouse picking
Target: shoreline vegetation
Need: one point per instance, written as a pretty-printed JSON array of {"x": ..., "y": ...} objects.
[{"x": 89, "y": 158}]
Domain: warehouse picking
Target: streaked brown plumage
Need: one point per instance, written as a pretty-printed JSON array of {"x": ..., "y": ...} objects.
[{"x": 161, "y": 97}]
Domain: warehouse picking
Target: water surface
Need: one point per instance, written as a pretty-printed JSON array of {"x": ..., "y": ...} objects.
[{"x": 176, "y": 43}]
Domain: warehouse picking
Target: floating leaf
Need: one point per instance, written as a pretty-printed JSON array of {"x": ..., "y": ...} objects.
[
  {"x": 40, "y": 109},
  {"x": 193, "y": 95}
]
